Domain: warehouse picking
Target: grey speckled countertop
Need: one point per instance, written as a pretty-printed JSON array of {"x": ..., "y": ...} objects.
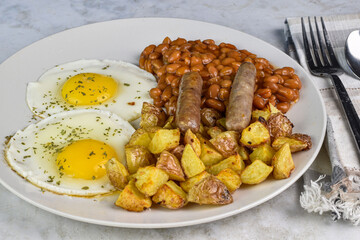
[{"x": 24, "y": 22}]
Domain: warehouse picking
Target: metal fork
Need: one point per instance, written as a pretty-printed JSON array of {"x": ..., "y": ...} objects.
[{"x": 322, "y": 62}]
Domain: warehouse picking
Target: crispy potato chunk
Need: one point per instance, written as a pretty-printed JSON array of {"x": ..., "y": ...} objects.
[
  {"x": 117, "y": 173},
  {"x": 164, "y": 139},
  {"x": 243, "y": 152},
  {"x": 214, "y": 131},
  {"x": 152, "y": 131},
  {"x": 233, "y": 162},
  {"x": 226, "y": 143},
  {"x": 190, "y": 138},
  {"x": 140, "y": 137},
  {"x": 169, "y": 124},
  {"x": 171, "y": 165},
  {"x": 283, "y": 162},
  {"x": 137, "y": 156},
  {"x": 190, "y": 182},
  {"x": 264, "y": 153},
  {"x": 178, "y": 151},
  {"x": 149, "y": 179},
  {"x": 190, "y": 162},
  {"x": 255, "y": 135},
  {"x": 256, "y": 114},
  {"x": 152, "y": 116},
  {"x": 209, "y": 116},
  {"x": 171, "y": 196},
  {"x": 256, "y": 172},
  {"x": 230, "y": 178},
  {"x": 210, "y": 190},
  {"x": 279, "y": 125},
  {"x": 132, "y": 199},
  {"x": 272, "y": 109},
  {"x": 209, "y": 156},
  {"x": 297, "y": 141}
]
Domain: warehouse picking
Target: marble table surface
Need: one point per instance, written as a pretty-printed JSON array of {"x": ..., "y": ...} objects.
[{"x": 23, "y": 22}]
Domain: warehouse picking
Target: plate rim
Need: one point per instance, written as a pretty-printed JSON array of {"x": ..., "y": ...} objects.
[{"x": 182, "y": 223}]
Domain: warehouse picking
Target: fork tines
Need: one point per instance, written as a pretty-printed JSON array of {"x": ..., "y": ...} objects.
[{"x": 320, "y": 52}]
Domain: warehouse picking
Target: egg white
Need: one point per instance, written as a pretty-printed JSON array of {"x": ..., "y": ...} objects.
[
  {"x": 44, "y": 96},
  {"x": 32, "y": 152}
]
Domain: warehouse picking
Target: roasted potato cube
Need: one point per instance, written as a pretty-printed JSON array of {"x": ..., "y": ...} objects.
[
  {"x": 164, "y": 139},
  {"x": 140, "y": 137},
  {"x": 230, "y": 178},
  {"x": 264, "y": 153},
  {"x": 152, "y": 130},
  {"x": 210, "y": 190},
  {"x": 260, "y": 113},
  {"x": 272, "y": 109},
  {"x": 149, "y": 179},
  {"x": 234, "y": 162},
  {"x": 169, "y": 124},
  {"x": 170, "y": 195},
  {"x": 190, "y": 182},
  {"x": 209, "y": 155},
  {"x": 243, "y": 152},
  {"x": 178, "y": 151},
  {"x": 190, "y": 138},
  {"x": 283, "y": 162},
  {"x": 209, "y": 116},
  {"x": 297, "y": 141},
  {"x": 226, "y": 143},
  {"x": 137, "y": 156},
  {"x": 171, "y": 165},
  {"x": 152, "y": 116},
  {"x": 256, "y": 172},
  {"x": 117, "y": 173},
  {"x": 214, "y": 131},
  {"x": 255, "y": 135},
  {"x": 190, "y": 162},
  {"x": 279, "y": 125},
  {"x": 132, "y": 199}
]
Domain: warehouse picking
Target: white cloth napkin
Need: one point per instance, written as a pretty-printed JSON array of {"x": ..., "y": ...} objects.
[{"x": 338, "y": 193}]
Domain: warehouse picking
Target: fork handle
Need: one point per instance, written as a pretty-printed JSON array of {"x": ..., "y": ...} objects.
[{"x": 351, "y": 114}]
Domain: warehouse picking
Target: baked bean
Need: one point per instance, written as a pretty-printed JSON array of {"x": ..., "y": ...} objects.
[
  {"x": 213, "y": 71},
  {"x": 283, "y": 106},
  {"x": 166, "y": 40},
  {"x": 234, "y": 54},
  {"x": 225, "y": 49},
  {"x": 264, "y": 92},
  {"x": 263, "y": 61},
  {"x": 219, "y": 67},
  {"x": 214, "y": 80},
  {"x": 169, "y": 78},
  {"x": 149, "y": 49},
  {"x": 182, "y": 70},
  {"x": 197, "y": 68},
  {"x": 272, "y": 100},
  {"x": 281, "y": 98},
  {"x": 223, "y": 94},
  {"x": 195, "y": 60},
  {"x": 213, "y": 91},
  {"x": 157, "y": 63},
  {"x": 179, "y": 41},
  {"x": 226, "y": 71},
  {"x": 259, "y": 66},
  {"x": 204, "y": 73},
  {"x": 171, "y": 68},
  {"x": 281, "y": 79},
  {"x": 222, "y": 56},
  {"x": 175, "y": 82},
  {"x": 186, "y": 46},
  {"x": 209, "y": 41},
  {"x": 285, "y": 71},
  {"x": 216, "y": 104},
  {"x": 229, "y": 45},
  {"x": 148, "y": 66},
  {"x": 272, "y": 86},
  {"x": 175, "y": 91},
  {"x": 155, "y": 93},
  {"x": 174, "y": 56},
  {"x": 213, "y": 47},
  {"x": 203, "y": 100},
  {"x": 161, "y": 71},
  {"x": 226, "y": 83},
  {"x": 171, "y": 105},
  {"x": 259, "y": 102},
  {"x": 187, "y": 61},
  {"x": 207, "y": 58},
  {"x": 154, "y": 55},
  {"x": 235, "y": 65},
  {"x": 167, "y": 93},
  {"x": 296, "y": 95},
  {"x": 292, "y": 83},
  {"x": 158, "y": 102},
  {"x": 227, "y": 61},
  {"x": 142, "y": 61},
  {"x": 286, "y": 92},
  {"x": 247, "y": 59},
  {"x": 216, "y": 62},
  {"x": 162, "y": 47}
]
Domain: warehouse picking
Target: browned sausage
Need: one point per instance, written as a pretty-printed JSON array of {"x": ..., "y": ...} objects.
[
  {"x": 188, "y": 104},
  {"x": 238, "y": 112}
]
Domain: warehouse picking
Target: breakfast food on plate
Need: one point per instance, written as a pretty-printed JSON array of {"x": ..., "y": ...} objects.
[
  {"x": 217, "y": 64},
  {"x": 109, "y": 85},
  {"x": 67, "y": 152},
  {"x": 204, "y": 167}
]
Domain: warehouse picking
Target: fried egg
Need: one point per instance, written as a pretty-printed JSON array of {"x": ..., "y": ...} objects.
[
  {"x": 114, "y": 86},
  {"x": 66, "y": 152}
]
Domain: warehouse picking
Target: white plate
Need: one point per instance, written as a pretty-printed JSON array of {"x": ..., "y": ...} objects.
[{"x": 124, "y": 40}]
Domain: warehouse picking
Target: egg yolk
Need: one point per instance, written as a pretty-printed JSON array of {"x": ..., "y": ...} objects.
[
  {"x": 85, "y": 159},
  {"x": 88, "y": 89}
]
